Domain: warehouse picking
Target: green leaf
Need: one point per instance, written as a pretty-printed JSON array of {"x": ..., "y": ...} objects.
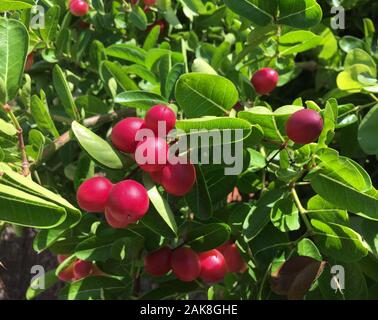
[
  {"x": 49, "y": 279},
  {"x": 345, "y": 197},
  {"x": 206, "y": 237},
  {"x": 138, "y": 18},
  {"x": 163, "y": 210},
  {"x": 339, "y": 242},
  {"x": 49, "y": 32},
  {"x": 201, "y": 66},
  {"x": 64, "y": 93},
  {"x": 198, "y": 198},
  {"x": 307, "y": 248},
  {"x": 284, "y": 215},
  {"x": 14, "y": 41},
  {"x": 96, "y": 288},
  {"x": 299, "y": 13},
  {"x": 345, "y": 170},
  {"x": 298, "y": 41},
  {"x": 259, "y": 12},
  {"x": 7, "y": 128},
  {"x": 94, "y": 249},
  {"x": 139, "y": 99},
  {"x": 259, "y": 217},
  {"x": 151, "y": 38},
  {"x": 114, "y": 70},
  {"x": 24, "y": 209},
  {"x": 368, "y": 131},
  {"x": 97, "y": 148},
  {"x": 9, "y": 5},
  {"x": 201, "y": 94},
  {"x": 330, "y": 117},
  {"x": 92, "y": 105},
  {"x": 42, "y": 117},
  {"x": 126, "y": 52},
  {"x": 172, "y": 77}
]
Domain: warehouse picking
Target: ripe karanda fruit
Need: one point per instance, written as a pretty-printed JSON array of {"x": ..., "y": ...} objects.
[
  {"x": 149, "y": 2},
  {"x": 160, "y": 115},
  {"x": 265, "y": 80},
  {"x": 79, "y": 8},
  {"x": 128, "y": 202},
  {"x": 123, "y": 135},
  {"x": 151, "y": 154},
  {"x": 93, "y": 194},
  {"x": 82, "y": 269},
  {"x": 178, "y": 179},
  {"x": 234, "y": 260},
  {"x": 213, "y": 266},
  {"x": 29, "y": 61},
  {"x": 185, "y": 264},
  {"x": 304, "y": 126},
  {"x": 158, "y": 263}
]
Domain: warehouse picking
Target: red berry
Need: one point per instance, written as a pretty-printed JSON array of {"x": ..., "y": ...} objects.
[
  {"x": 29, "y": 61},
  {"x": 93, "y": 194},
  {"x": 158, "y": 263},
  {"x": 61, "y": 257},
  {"x": 113, "y": 222},
  {"x": 160, "y": 115},
  {"x": 151, "y": 154},
  {"x": 213, "y": 266},
  {"x": 265, "y": 80},
  {"x": 128, "y": 202},
  {"x": 67, "y": 274},
  {"x": 178, "y": 179},
  {"x": 79, "y": 8},
  {"x": 234, "y": 260},
  {"x": 304, "y": 126},
  {"x": 123, "y": 134},
  {"x": 185, "y": 264},
  {"x": 156, "y": 176},
  {"x": 224, "y": 246},
  {"x": 82, "y": 269},
  {"x": 149, "y": 2}
]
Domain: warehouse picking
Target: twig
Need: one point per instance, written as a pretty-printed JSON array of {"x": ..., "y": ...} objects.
[
  {"x": 302, "y": 211},
  {"x": 21, "y": 143},
  {"x": 94, "y": 121}
]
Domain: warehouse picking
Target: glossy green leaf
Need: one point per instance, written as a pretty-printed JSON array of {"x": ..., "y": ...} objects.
[
  {"x": 206, "y": 237},
  {"x": 97, "y": 148},
  {"x": 368, "y": 131},
  {"x": 139, "y": 99},
  {"x": 201, "y": 94},
  {"x": 14, "y": 41}
]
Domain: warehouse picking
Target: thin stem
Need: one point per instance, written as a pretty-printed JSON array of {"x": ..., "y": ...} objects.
[
  {"x": 261, "y": 288},
  {"x": 282, "y": 147},
  {"x": 374, "y": 97},
  {"x": 301, "y": 209},
  {"x": 21, "y": 143}
]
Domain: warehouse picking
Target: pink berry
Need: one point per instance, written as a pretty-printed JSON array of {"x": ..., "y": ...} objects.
[
  {"x": 93, "y": 194},
  {"x": 158, "y": 263},
  {"x": 128, "y": 202},
  {"x": 151, "y": 154},
  {"x": 178, "y": 179},
  {"x": 158, "y": 116},
  {"x": 185, "y": 264},
  {"x": 265, "y": 80},
  {"x": 124, "y": 132},
  {"x": 213, "y": 266},
  {"x": 304, "y": 126},
  {"x": 79, "y": 8}
]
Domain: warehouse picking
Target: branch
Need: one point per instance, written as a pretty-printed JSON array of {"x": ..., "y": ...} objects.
[{"x": 94, "y": 121}]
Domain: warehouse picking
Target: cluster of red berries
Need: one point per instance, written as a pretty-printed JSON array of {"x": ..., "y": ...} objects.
[
  {"x": 124, "y": 203},
  {"x": 79, "y": 8},
  {"x": 77, "y": 270},
  {"x": 303, "y": 126},
  {"x": 151, "y": 153},
  {"x": 187, "y": 265}
]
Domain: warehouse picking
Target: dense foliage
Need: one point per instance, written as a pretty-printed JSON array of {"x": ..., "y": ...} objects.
[{"x": 299, "y": 207}]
